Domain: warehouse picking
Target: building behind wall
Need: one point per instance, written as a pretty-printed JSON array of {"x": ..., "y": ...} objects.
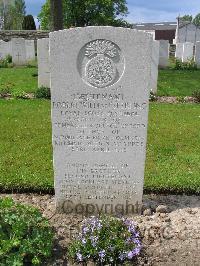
[{"x": 162, "y": 30}]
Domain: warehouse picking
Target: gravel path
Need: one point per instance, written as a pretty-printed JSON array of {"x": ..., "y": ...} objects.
[{"x": 169, "y": 226}]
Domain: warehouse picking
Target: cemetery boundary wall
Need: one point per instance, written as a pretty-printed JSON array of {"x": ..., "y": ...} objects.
[{"x": 7, "y": 35}]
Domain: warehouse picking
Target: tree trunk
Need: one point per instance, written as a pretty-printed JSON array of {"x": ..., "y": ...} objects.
[{"x": 56, "y": 15}]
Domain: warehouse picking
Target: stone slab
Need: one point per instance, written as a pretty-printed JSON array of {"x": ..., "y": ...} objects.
[
  {"x": 4, "y": 49},
  {"x": 179, "y": 51},
  {"x": 197, "y": 54},
  {"x": 18, "y": 51},
  {"x": 188, "y": 50},
  {"x": 30, "y": 50},
  {"x": 43, "y": 62},
  {"x": 100, "y": 84},
  {"x": 164, "y": 53}
]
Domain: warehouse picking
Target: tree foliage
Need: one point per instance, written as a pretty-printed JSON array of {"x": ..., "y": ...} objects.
[
  {"x": 196, "y": 20},
  {"x": 79, "y": 13},
  {"x": 187, "y": 18},
  {"x": 28, "y": 23},
  {"x": 12, "y": 14}
]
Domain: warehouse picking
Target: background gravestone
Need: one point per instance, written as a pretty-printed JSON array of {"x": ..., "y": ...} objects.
[
  {"x": 179, "y": 51},
  {"x": 4, "y": 49},
  {"x": 164, "y": 53},
  {"x": 30, "y": 50},
  {"x": 187, "y": 51},
  {"x": 154, "y": 66},
  {"x": 100, "y": 85},
  {"x": 43, "y": 63},
  {"x": 18, "y": 51},
  {"x": 197, "y": 54}
]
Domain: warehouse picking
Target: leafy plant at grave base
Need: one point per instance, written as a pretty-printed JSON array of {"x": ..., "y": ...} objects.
[
  {"x": 106, "y": 240},
  {"x": 43, "y": 92},
  {"x": 153, "y": 97},
  {"x": 6, "y": 62},
  {"x": 3, "y": 63},
  {"x": 9, "y": 58},
  {"x": 18, "y": 94},
  {"x": 35, "y": 75},
  {"x": 180, "y": 99},
  {"x": 196, "y": 95},
  {"x": 189, "y": 65},
  {"x": 4, "y": 91},
  {"x": 25, "y": 236}
]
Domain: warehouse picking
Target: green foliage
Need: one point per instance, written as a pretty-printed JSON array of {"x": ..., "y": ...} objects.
[
  {"x": 196, "y": 95},
  {"x": 153, "y": 97},
  {"x": 3, "y": 63},
  {"x": 25, "y": 236},
  {"x": 106, "y": 240},
  {"x": 19, "y": 94},
  {"x": 9, "y": 58},
  {"x": 80, "y": 13},
  {"x": 180, "y": 99},
  {"x": 189, "y": 65},
  {"x": 28, "y": 23},
  {"x": 5, "y": 91},
  {"x": 6, "y": 62},
  {"x": 187, "y": 18},
  {"x": 13, "y": 13},
  {"x": 43, "y": 92},
  {"x": 196, "y": 20}
]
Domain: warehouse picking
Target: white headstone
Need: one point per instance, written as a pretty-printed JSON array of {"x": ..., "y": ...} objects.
[
  {"x": 100, "y": 92},
  {"x": 18, "y": 51},
  {"x": 30, "y": 50},
  {"x": 43, "y": 62},
  {"x": 164, "y": 53},
  {"x": 197, "y": 54},
  {"x": 4, "y": 49},
  {"x": 179, "y": 51},
  {"x": 154, "y": 66},
  {"x": 187, "y": 51}
]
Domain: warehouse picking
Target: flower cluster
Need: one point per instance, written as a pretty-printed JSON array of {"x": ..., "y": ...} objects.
[{"x": 106, "y": 240}]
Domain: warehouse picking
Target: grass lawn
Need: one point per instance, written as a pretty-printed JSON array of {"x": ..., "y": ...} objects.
[
  {"x": 170, "y": 82},
  {"x": 173, "y": 152},
  {"x": 18, "y": 79},
  {"x": 178, "y": 82}
]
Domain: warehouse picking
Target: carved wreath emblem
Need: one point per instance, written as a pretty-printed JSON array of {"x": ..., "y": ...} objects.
[{"x": 100, "y": 71}]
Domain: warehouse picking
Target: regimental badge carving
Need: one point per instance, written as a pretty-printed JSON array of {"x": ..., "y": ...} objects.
[{"x": 101, "y": 63}]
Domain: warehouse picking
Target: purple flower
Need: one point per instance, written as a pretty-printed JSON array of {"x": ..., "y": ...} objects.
[
  {"x": 130, "y": 255},
  {"x": 136, "y": 251},
  {"x": 102, "y": 254},
  {"x": 79, "y": 257},
  {"x": 83, "y": 241},
  {"x": 133, "y": 253},
  {"x": 94, "y": 240},
  {"x": 122, "y": 256},
  {"x": 85, "y": 229}
]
